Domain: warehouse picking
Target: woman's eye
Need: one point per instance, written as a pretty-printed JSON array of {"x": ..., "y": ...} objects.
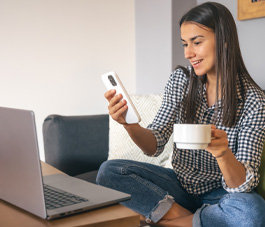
[
  {"x": 184, "y": 44},
  {"x": 197, "y": 43}
]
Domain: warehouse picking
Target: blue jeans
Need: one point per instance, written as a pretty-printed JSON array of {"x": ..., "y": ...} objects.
[{"x": 154, "y": 189}]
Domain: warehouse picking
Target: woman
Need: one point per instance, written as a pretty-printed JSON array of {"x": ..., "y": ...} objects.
[{"x": 206, "y": 187}]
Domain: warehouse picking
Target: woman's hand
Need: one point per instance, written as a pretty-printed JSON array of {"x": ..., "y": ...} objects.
[
  {"x": 219, "y": 144},
  {"x": 117, "y": 106},
  {"x": 233, "y": 171},
  {"x": 142, "y": 137}
]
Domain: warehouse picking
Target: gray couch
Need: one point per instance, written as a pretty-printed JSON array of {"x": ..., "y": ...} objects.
[{"x": 76, "y": 145}]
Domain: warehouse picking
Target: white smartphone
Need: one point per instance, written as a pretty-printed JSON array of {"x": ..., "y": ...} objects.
[{"x": 112, "y": 81}]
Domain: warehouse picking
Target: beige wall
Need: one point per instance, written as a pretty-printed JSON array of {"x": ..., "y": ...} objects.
[
  {"x": 158, "y": 46},
  {"x": 52, "y": 53}
]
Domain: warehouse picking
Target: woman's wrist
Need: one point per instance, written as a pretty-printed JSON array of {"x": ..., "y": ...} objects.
[
  {"x": 223, "y": 155},
  {"x": 130, "y": 127}
]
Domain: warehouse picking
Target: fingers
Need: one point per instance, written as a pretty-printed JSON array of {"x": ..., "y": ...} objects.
[
  {"x": 115, "y": 101},
  {"x": 110, "y": 94},
  {"x": 117, "y": 106},
  {"x": 213, "y": 127},
  {"x": 219, "y": 142},
  {"x": 219, "y": 134},
  {"x": 118, "y": 115}
]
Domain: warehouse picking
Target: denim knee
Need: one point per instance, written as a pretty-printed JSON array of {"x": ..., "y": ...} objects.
[
  {"x": 110, "y": 173},
  {"x": 104, "y": 172},
  {"x": 234, "y": 209},
  {"x": 248, "y": 206}
]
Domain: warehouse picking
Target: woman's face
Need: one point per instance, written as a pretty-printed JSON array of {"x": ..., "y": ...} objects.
[{"x": 199, "y": 47}]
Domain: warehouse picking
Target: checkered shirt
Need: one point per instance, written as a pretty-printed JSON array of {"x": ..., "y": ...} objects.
[{"x": 198, "y": 170}]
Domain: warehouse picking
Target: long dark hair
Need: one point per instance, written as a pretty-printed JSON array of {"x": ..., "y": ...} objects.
[{"x": 229, "y": 62}]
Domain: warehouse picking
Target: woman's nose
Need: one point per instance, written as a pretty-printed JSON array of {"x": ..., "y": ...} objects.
[{"x": 189, "y": 52}]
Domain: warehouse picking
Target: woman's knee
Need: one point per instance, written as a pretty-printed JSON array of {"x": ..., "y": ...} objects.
[
  {"x": 110, "y": 171},
  {"x": 249, "y": 207},
  {"x": 234, "y": 209},
  {"x": 243, "y": 201},
  {"x": 104, "y": 171}
]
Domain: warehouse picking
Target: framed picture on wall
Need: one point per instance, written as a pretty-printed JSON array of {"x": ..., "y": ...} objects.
[{"x": 249, "y": 9}]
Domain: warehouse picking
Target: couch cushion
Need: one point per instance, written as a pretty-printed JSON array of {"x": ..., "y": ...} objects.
[{"x": 121, "y": 145}]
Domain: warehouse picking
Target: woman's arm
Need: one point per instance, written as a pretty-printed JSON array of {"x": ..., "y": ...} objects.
[
  {"x": 233, "y": 171},
  {"x": 143, "y": 138}
]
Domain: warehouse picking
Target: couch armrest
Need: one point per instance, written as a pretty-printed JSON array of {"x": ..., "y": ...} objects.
[{"x": 76, "y": 144}]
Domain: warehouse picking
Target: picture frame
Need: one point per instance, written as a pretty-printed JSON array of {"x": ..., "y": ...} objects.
[{"x": 250, "y": 9}]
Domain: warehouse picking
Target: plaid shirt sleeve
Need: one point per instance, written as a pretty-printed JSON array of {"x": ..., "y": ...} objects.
[
  {"x": 250, "y": 143},
  {"x": 170, "y": 110}
]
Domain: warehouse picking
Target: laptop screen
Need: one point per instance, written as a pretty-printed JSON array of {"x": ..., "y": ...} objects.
[{"x": 20, "y": 170}]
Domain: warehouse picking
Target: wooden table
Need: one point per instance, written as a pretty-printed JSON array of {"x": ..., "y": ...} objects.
[{"x": 112, "y": 216}]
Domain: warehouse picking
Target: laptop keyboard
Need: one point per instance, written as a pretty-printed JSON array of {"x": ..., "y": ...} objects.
[{"x": 56, "y": 198}]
